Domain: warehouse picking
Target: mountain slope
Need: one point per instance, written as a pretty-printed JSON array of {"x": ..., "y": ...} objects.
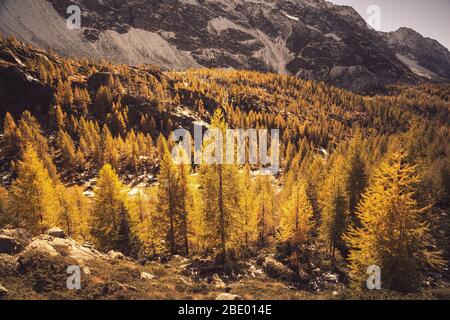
[
  {"x": 312, "y": 39},
  {"x": 36, "y": 22},
  {"x": 423, "y": 55}
]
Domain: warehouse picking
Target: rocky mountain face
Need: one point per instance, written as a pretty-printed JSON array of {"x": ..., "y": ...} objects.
[
  {"x": 425, "y": 56},
  {"x": 312, "y": 39}
]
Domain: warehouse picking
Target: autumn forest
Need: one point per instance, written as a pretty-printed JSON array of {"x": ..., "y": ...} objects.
[{"x": 364, "y": 180}]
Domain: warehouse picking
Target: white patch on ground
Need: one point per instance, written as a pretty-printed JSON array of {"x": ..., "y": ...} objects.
[
  {"x": 36, "y": 22},
  {"x": 89, "y": 194},
  {"x": 190, "y": 2},
  {"x": 265, "y": 172},
  {"x": 334, "y": 36},
  {"x": 187, "y": 113},
  {"x": 31, "y": 78},
  {"x": 414, "y": 67},
  {"x": 290, "y": 17},
  {"x": 167, "y": 34},
  {"x": 139, "y": 189},
  {"x": 313, "y": 28}
]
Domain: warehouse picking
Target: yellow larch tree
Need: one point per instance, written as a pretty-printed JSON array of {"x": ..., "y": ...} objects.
[
  {"x": 393, "y": 235},
  {"x": 33, "y": 194}
]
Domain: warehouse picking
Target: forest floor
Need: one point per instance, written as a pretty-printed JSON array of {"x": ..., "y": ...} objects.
[{"x": 36, "y": 268}]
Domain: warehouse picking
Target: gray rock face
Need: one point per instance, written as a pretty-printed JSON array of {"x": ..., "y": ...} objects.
[
  {"x": 424, "y": 56},
  {"x": 312, "y": 39}
]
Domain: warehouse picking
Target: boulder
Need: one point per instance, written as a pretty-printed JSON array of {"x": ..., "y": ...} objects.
[
  {"x": 147, "y": 276},
  {"x": 217, "y": 282},
  {"x": 88, "y": 245},
  {"x": 10, "y": 245},
  {"x": 277, "y": 270},
  {"x": 56, "y": 232},
  {"x": 21, "y": 234},
  {"x": 41, "y": 245},
  {"x": 114, "y": 255},
  {"x": 63, "y": 247},
  {"x": 3, "y": 291},
  {"x": 228, "y": 297}
]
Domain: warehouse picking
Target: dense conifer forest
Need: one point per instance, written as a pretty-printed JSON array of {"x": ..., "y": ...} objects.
[{"x": 364, "y": 180}]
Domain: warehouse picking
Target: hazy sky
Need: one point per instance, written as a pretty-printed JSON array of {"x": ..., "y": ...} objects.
[{"x": 431, "y": 18}]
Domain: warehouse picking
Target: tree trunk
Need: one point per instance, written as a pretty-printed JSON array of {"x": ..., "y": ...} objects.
[
  {"x": 186, "y": 240},
  {"x": 222, "y": 216},
  {"x": 173, "y": 249}
]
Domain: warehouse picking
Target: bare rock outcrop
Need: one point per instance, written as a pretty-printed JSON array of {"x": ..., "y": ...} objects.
[{"x": 228, "y": 297}]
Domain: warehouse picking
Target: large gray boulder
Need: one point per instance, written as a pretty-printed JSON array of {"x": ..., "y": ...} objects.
[{"x": 54, "y": 246}]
